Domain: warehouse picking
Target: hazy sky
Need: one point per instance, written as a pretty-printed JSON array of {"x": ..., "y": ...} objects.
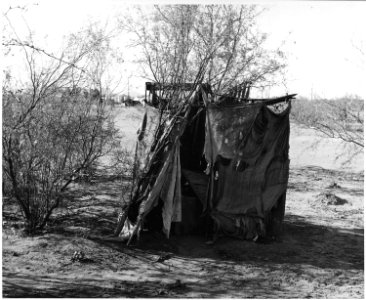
[
  {"x": 324, "y": 42},
  {"x": 321, "y": 41}
]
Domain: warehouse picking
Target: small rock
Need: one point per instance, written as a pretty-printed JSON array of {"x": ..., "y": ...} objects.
[
  {"x": 161, "y": 292},
  {"x": 163, "y": 258},
  {"x": 78, "y": 256},
  {"x": 176, "y": 285},
  {"x": 43, "y": 245}
]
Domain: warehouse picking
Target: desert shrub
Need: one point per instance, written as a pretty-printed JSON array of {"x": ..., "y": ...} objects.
[
  {"x": 49, "y": 145},
  {"x": 56, "y": 128},
  {"x": 122, "y": 161}
]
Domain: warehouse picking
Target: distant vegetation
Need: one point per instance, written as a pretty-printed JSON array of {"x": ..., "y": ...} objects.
[{"x": 340, "y": 118}]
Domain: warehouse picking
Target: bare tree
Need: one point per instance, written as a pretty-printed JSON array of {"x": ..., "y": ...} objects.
[{"x": 220, "y": 41}]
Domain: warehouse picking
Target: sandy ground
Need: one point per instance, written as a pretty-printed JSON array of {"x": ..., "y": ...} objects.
[{"x": 321, "y": 254}]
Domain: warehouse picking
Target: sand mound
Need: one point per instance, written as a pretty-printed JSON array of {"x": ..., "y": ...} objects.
[
  {"x": 334, "y": 185},
  {"x": 329, "y": 198}
]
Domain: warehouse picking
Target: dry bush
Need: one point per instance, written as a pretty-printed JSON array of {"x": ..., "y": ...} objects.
[
  {"x": 59, "y": 141},
  {"x": 121, "y": 160},
  {"x": 56, "y": 127}
]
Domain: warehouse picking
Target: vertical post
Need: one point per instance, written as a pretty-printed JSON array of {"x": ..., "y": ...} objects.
[
  {"x": 247, "y": 93},
  {"x": 245, "y": 90},
  {"x": 275, "y": 222}
]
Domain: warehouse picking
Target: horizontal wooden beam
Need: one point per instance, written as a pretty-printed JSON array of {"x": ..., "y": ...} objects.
[
  {"x": 268, "y": 101},
  {"x": 155, "y": 86},
  {"x": 271, "y": 101}
]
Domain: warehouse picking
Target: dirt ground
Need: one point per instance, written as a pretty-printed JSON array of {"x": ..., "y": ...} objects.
[{"x": 321, "y": 254}]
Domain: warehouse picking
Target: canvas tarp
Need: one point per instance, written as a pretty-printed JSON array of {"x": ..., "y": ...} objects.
[
  {"x": 247, "y": 145},
  {"x": 167, "y": 187}
]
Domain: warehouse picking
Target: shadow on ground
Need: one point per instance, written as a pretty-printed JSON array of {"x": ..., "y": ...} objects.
[
  {"x": 304, "y": 246},
  {"x": 302, "y": 243}
]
